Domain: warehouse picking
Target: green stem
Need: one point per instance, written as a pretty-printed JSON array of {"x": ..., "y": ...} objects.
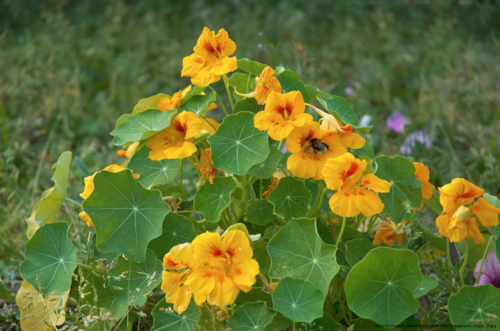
[
  {"x": 244, "y": 196},
  {"x": 84, "y": 266},
  {"x": 280, "y": 144},
  {"x": 448, "y": 260},
  {"x": 203, "y": 118},
  {"x": 464, "y": 263},
  {"x": 280, "y": 220},
  {"x": 482, "y": 261},
  {"x": 226, "y": 84},
  {"x": 337, "y": 243},
  {"x": 220, "y": 100},
  {"x": 74, "y": 202},
  {"x": 181, "y": 186}
]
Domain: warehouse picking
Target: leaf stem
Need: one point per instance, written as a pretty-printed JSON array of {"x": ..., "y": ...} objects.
[
  {"x": 220, "y": 101},
  {"x": 84, "y": 266},
  {"x": 203, "y": 118},
  {"x": 337, "y": 243},
  {"x": 281, "y": 144},
  {"x": 448, "y": 260},
  {"x": 482, "y": 261},
  {"x": 226, "y": 84},
  {"x": 464, "y": 263},
  {"x": 181, "y": 174},
  {"x": 74, "y": 202}
]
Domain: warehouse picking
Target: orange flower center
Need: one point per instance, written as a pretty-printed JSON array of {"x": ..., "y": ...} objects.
[{"x": 285, "y": 111}]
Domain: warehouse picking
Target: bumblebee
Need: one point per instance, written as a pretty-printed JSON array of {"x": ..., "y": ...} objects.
[{"x": 317, "y": 146}]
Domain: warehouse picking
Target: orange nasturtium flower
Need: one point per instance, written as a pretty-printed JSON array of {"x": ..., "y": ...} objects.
[
  {"x": 179, "y": 264},
  {"x": 225, "y": 266},
  {"x": 89, "y": 188},
  {"x": 271, "y": 187},
  {"x": 387, "y": 233},
  {"x": 460, "y": 213},
  {"x": 177, "y": 140},
  {"x": 311, "y": 147},
  {"x": 210, "y": 59},
  {"x": 423, "y": 175},
  {"x": 355, "y": 193},
  {"x": 283, "y": 112},
  {"x": 266, "y": 83},
  {"x": 206, "y": 166},
  {"x": 167, "y": 103},
  {"x": 127, "y": 153}
]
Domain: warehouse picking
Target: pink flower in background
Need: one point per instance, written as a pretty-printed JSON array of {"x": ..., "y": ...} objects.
[
  {"x": 396, "y": 122},
  {"x": 412, "y": 139},
  {"x": 491, "y": 271},
  {"x": 348, "y": 90}
]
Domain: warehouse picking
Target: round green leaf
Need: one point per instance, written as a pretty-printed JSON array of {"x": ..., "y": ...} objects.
[
  {"x": 142, "y": 126},
  {"x": 325, "y": 323},
  {"x": 406, "y": 190},
  {"x": 166, "y": 319},
  {"x": 267, "y": 168},
  {"x": 212, "y": 199},
  {"x": 290, "y": 198},
  {"x": 50, "y": 259},
  {"x": 260, "y": 212},
  {"x": 243, "y": 83},
  {"x": 176, "y": 230},
  {"x": 356, "y": 250},
  {"x": 297, "y": 251},
  {"x": 249, "y": 105},
  {"x": 251, "y": 317},
  {"x": 46, "y": 209},
  {"x": 252, "y": 67},
  {"x": 428, "y": 283},
  {"x": 279, "y": 323},
  {"x": 338, "y": 107},
  {"x": 153, "y": 172},
  {"x": 381, "y": 286},
  {"x": 126, "y": 216},
  {"x": 238, "y": 145},
  {"x": 290, "y": 81},
  {"x": 131, "y": 281},
  {"x": 298, "y": 300},
  {"x": 198, "y": 104},
  {"x": 476, "y": 306}
]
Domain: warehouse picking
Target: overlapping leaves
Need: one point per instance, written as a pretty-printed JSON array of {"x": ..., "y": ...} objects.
[{"x": 212, "y": 199}]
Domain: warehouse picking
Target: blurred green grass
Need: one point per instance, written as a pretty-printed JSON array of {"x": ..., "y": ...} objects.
[{"x": 69, "y": 69}]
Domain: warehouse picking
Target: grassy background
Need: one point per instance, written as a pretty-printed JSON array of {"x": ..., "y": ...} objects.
[{"x": 69, "y": 69}]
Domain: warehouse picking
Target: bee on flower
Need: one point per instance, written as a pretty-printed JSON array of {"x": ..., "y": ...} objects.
[
  {"x": 311, "y": 147},
  {"x": 210, "y": 59},
  {"x": 283, "y": 112},
  {"x": 463, "y": 207},
  {"x": 89, "y": 188},
  {"x": 355, "y": 193}
]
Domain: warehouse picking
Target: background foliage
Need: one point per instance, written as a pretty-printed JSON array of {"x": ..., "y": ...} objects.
[{"x": 68, "y": 70}]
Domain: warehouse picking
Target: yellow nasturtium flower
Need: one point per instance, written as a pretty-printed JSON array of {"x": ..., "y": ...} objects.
[
  {"x": 355, "y": 193},
  {"x": 461, "y": 214},
  {"x": 266, "y": 83},
  {"x": 206, "y": 127},
  {"x": 211, "y": 269},
  {"x": 210, "y": 59},
  {"x": 167, "y": 103},
  {"x": 225, "y": 267},
  {"x": 177, "y": 140},
  {"x": 282, "y": 114},
  {"x": 311, "y": 147},
  {"x": 388, "y": 231},
  {"x": 89, "y": 188}
]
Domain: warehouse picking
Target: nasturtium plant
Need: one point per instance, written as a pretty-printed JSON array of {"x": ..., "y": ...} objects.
[
  {"x": 266, "y": 209},
  {"x": 50, "y": 263},
  {"x": 126, "y": 215},
  {"x": 381, "y": 286}
]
